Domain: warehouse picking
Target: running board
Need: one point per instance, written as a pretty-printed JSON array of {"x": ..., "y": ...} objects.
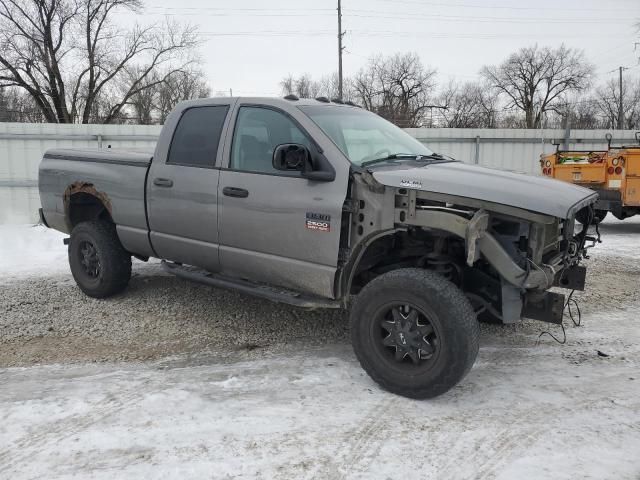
[{"x": 256, "y": 289}]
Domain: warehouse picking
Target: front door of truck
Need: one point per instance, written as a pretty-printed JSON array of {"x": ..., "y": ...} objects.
[
  {"x": 277, "y": 227},
  {"x": 182, "y": 188}
]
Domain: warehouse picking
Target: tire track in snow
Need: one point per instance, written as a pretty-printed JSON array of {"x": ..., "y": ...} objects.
[
  {"x": 23, "y": 449},
  {"x": 368, "y": 441}
]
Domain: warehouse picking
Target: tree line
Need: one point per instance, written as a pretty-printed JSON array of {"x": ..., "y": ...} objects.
[
  {"x": 71, "y": 61},
  {"x": 534, "y": 87}
]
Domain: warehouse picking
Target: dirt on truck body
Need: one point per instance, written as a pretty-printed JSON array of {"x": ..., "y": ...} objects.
[{"x": 321, "y": 204}]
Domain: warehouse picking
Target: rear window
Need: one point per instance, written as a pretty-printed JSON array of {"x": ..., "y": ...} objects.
[{"x": 196, "y": 138}]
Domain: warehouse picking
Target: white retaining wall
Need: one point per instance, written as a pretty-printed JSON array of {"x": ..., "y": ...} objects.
[{"x": 22, "y": 146}]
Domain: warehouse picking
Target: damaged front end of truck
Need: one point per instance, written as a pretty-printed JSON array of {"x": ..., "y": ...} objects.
[{"x": 505, "y": 258}]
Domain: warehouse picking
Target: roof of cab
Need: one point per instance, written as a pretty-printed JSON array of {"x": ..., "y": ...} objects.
[
  {"x": 274, "y": 101},
  {"x": 294, "y": 100},
  {"x": 289, "y": 100}
]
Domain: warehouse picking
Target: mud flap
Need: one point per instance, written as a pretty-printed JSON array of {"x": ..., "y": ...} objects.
[{"x": 545, "y": 306}]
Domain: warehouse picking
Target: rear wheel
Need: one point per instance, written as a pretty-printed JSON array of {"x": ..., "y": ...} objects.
[
  {"x": 414, "y": 332},
  {"x": 99, "y": 264}
]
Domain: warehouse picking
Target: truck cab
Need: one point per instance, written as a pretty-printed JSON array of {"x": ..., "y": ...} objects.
[{"x": 244, "y": 227}]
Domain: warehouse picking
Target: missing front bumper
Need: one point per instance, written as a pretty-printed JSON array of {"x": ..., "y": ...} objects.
[
  {"x": 545, "y": 306},
  {"x": 571, "y": 278}
]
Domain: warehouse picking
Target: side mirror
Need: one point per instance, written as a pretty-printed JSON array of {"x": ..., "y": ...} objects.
[
  {"x": 294, "y": 157},
  {"x": 291, "y": 157}
]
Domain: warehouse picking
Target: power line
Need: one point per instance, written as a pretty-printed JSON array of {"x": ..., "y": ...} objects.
[
  {"x": 222, "y": 14},
  {"x": 390, "y": 33},
  {"x": 375, "y": 14},
  {"x": 473, "y": 36},
  {"x": 201, "y": 9},
  {"x": 475, "y": 18},
  {"x": 500, "y": 7}
]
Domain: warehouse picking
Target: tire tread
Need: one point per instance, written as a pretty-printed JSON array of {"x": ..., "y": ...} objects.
[
  {"x": 466, "y": 330},
  {"x": 117, "y": 260}
]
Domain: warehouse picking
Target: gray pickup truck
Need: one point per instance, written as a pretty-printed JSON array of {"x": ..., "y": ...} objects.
[{"x": 321, "y": 204}]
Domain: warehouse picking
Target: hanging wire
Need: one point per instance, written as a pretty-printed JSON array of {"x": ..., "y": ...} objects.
[
  {"x": 567, "y": 311},
  {"x": 571, "y": 303}
]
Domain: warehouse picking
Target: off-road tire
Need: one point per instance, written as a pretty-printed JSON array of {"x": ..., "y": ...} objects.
[
  {"x": 114, "y": 262},
  {"x": 453, "y": 317},
  {"x": 598, "y": 216}
]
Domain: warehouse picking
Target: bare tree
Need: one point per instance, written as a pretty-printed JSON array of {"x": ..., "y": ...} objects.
[
  {"x": 153, "y": 104},
  {"x": 468, "y": 105},
  {"x": 535, "y": 79},
  {"x": 144, "y": 103},
  {"x": 71, "y": 57},
  {"x": 179, "y": 86},
  {"x": 16, "y": 106},
  {"x": 398, "y": 88},
  {"x": 305, "y": 86},
  {"x": 329, "y": 87},
  {"x": 302, "y": 86},
  {"x": 607, "y": 99},
  {"x": 288, "y": 85},
  {"x": 580, "y": 112}
]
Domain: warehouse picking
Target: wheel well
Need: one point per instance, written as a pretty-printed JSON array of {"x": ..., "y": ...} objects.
[
  {"x": 414, "y": 248},
  {"x": 83, "y": 206}
]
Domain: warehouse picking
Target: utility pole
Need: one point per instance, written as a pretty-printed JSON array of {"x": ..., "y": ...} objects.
[
  {"x": 340, "y": 48},
  {"x": 620, "y": 110}
]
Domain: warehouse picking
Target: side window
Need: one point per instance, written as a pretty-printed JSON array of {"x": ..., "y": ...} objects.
[
  {"x": 258, "y": 132},
  {"x": 196, "y": 138}
]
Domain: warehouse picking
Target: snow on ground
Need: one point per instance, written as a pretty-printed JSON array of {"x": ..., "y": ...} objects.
[
  {"x": 31, "y": 250},
  {"x": 526, "y": 410},
  {"x": 620, "y": 237},
  {"x": 524, "y": 413}
]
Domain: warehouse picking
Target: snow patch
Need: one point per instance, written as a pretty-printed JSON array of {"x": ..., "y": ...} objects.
[{"x": 30, "y": 250}]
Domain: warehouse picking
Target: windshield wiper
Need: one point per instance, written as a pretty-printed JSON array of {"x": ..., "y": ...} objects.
[{"x": 402, "y": 156}]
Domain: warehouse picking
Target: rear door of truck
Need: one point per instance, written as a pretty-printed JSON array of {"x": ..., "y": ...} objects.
[{"x": 182, "y": 186}]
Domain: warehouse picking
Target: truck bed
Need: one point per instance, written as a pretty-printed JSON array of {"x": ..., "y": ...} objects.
[{"x": 117, "y": 177}]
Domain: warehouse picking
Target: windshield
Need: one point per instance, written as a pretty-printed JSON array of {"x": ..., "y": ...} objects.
[{"x": 361, "y": 135}]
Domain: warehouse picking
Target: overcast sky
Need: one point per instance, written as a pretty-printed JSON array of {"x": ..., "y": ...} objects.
[{"x": 250, "y": 45}]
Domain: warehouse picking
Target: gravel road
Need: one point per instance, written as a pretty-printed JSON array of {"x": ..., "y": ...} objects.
[{"x": 46, "y": 319}]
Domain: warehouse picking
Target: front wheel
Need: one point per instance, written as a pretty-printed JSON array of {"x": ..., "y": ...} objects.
[
  {"x": 99, "y": 264},
  {"x": 414, "y": 332}
]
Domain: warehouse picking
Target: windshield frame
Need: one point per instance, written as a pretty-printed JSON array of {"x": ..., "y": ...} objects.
[{"x": 385, "y": 133}]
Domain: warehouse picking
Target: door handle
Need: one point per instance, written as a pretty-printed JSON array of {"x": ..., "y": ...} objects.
[
  {"x": 163, "y": 182},
  {"x": 235, "y": 192}
]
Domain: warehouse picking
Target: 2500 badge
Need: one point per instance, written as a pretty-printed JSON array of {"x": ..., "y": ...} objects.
[{"x": 318, "y": 221}]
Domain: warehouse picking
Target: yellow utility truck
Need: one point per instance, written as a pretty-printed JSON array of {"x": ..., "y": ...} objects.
[{"x": 614, "y": 173}]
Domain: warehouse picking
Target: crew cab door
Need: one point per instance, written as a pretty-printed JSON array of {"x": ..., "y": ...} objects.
[
  {"x": 277, "y": 227},
  {"x": 182, "y": 186}
]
